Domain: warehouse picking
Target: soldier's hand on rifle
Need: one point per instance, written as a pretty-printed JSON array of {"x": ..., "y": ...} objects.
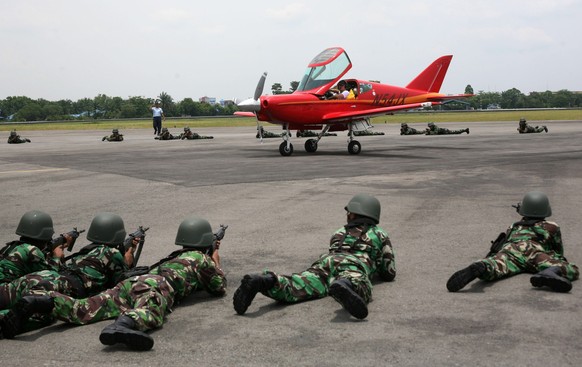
[
  {"x": 59, "y": 251},
  {"x": 128, "y": 256},
  {"x": 216, "y": 245}
]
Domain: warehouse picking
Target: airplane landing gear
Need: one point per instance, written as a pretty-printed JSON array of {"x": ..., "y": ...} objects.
[
  {"x": 354, "y": 147},
  {"x": 285, "y": 150},
  {"x": 311, "y": 145}
]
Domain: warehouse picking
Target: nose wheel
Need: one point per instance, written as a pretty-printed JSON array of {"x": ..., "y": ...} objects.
[
  {"x": 354, "y": 147},
  {"x": 286, "y": 149}
]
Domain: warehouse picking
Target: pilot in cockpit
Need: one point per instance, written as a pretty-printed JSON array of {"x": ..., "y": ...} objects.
[{"x": 342, "y": 91}]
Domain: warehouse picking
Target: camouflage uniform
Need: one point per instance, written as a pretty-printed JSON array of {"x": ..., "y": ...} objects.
[
  {"x": 90, "y": 271},
  {"x": 406, "y": 130},
  {"x": 367, "y": 132},
  {"x": 524, "y": 128},
  {"x": 309, "y": 134},
  {"x": 188, "y": 134},
  {"x": 356, "y": 252},
  {"x": 435, "y": 130},
  {"x": 14, "y": 138},
  {"x": 165, "y": 135},
  {"x": 531, "y": 247},
  {"x": 267, "y": 134},
  {"x": 145, "y": 298},
  {"x": 115, "y": 136},
  {"x": 19, "y": 259}
]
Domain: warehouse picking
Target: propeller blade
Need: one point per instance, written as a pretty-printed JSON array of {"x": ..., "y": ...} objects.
[
  {"x": 249, "y": 105},
  {"x": 260, "y": 86}
]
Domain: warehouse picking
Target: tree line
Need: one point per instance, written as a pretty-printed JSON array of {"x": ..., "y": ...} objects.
[{"x": 21, "y": 108}]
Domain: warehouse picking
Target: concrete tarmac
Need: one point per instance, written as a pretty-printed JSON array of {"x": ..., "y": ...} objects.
[{"x": 444, "y": 198}]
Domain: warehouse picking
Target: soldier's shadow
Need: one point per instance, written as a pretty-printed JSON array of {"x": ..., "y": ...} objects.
[{"x": 478, "y": 287}]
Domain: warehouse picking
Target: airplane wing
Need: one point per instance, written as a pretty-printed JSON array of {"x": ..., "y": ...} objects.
[
  {"x": 352, "y": 115},
  {"x": 245, "y": 114}
]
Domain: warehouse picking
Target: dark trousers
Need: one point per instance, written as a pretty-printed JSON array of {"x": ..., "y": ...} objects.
[{"x": 157, "y": 125}]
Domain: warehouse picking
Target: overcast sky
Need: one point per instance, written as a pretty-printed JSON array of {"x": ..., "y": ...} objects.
[{"x": 72, "y": 49}]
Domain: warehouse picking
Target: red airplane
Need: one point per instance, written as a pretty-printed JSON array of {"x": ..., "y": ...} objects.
[{"x": 315, "y": 106}]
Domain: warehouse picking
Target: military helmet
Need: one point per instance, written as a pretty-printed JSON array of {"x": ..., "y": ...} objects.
[
  {"x": 13, "y": 133},
  {"x": 164, "y": 129},
  {"x": 522, "y": 119},
  {"x": 107, "y": 228},
  {"x": 37, "y": 225},
  {"x": 115, "y": 131},
  {"x": 194, "y": 232},
  {"x": 365, "y": 206},
  {"x": 535, "y": 204},
  {"x": 430, "y": 124},
  {"x": 186, "y": 128},
  {"x": 404, "y": 124}
]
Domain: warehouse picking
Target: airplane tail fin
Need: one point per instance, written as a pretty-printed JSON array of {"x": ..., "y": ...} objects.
[{"x": 431, "y": 79}]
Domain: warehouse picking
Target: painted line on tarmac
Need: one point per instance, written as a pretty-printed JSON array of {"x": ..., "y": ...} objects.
[{"x": 36, "y": 170}]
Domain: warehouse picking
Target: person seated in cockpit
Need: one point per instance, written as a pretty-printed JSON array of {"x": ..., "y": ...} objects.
[{"x": 342, "y": 91}]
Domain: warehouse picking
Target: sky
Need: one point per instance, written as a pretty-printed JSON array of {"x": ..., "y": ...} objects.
[{"x": 72, "y": 49}]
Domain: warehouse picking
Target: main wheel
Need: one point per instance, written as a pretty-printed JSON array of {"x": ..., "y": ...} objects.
[
  {"x": 354, "y": 147},
  {"x": 285, "y": 152},
  {"x": 311, "y": 145}
]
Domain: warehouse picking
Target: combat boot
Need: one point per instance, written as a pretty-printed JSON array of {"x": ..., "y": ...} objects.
[
  {"x": 545, "y": 128},
  {"x": 22, "y": 311},
  {"x": 465, "y": 276},
  {"x": 342, "y": 291},
  {"x": 467, "y": 130},
  {"x": 250, "y": 285},
  {"x": 124, "y": 331},
  {"x": 551, "y": 277}
]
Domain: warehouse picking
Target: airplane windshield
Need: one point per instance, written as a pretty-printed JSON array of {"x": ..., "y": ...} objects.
[{"x": 318, "y": 76}]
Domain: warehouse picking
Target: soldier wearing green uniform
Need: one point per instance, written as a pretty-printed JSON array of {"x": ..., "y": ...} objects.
[
  {"x": 115, "y": 136},
  {"x": 311, "y": 134},
  {"x": 357, "y": 251},
  {"x": 190, "y": 135},
  {"x": 435, "y": 130},
  {"x": 14, "y": 138},
  {"x": 406, "y": 130},
  {"x": 532, "y": 245},
  {"x": 165, "y": 135},
  {"x": 367, "y": 132},
  {"x": 96, "y": 267},
  {"x": 266, "y": 134},
  {"x": 524, "y": 128},
  {"x": 139, "y": 303},
  {"x": 32, "y": 252}
]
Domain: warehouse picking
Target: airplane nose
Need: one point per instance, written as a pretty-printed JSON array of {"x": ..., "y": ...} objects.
[{"x": 249, "y": 105}]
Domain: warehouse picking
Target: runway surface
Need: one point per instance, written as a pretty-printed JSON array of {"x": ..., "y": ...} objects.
[{"x": 444, "y": 198}]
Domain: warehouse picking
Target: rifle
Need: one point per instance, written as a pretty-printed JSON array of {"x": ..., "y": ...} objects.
[
  {"x": 517, "y": 207},
  {"x": 218, "y": 236},
  {"x": 61, "y": 240},
  {"x": 497, "y": 244},
  {"x": 128, "y": 243}
]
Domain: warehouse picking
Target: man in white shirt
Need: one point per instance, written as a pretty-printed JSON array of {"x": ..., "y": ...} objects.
[{"x": 158, "y": 116}]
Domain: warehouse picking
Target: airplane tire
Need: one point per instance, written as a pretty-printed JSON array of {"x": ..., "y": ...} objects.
[
  {"x": 311, "y": 145},
  {"x": 285, "y": 152},
  {"x": 354, "y": 147}
]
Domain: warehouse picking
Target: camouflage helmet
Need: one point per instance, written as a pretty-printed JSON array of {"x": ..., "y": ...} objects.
[
  {"x": 194, "y": 232},
  {"x": 535, "y": 204},
  {"x": 107, "y": 228},
  {"x": 186, "y": 128},
  {"x": 365, "y": 206},
  {"x": 430, "y": 124},
  {"x": 164, "y": 129},
  {"x": 115, "y": 131},
  {"x": 522, "y": 120},
  {"x": 13, "y": 133},
  {"x": 36, "y": 225},
  {"x": 404, "y": 124}
]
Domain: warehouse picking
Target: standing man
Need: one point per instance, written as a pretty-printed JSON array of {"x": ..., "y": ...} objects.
[
  {"x": 158, "y": 114},
  {"x": 357, "y": 251},
  {"x": 532, "y": 245}
]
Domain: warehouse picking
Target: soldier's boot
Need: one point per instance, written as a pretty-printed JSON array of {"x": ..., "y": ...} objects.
[
  {"x": 22, "y": 311},
  {"x": 28, "y": 140},
  {"x": 250, "y": 285},
  {"x": 465, "y": 276},
  {"x": 551, "y": 277},
  {"x": 545, "y": 128},
  {"x": 104, "y": 138},
  {"x": 342, "y": 291},
  {"x": 124, "y": 331},
  {"x": 467, "y": 130}
]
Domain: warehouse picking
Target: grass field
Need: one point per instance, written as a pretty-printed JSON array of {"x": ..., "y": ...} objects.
[{"x": 408, "y": 117}]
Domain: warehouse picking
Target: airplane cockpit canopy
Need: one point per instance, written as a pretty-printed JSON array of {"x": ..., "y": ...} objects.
[{"x": 324, "y": 70}]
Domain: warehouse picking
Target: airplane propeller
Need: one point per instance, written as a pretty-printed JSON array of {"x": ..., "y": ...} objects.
[{"x": 253, "y": 104}]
